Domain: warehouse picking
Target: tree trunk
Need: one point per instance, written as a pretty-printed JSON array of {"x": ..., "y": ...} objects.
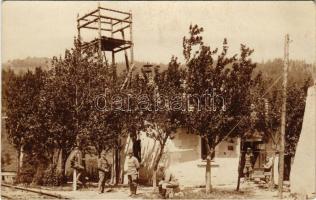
[
  {"x": 124, "y": 156},
  {"x": 18, "y": 164},
  {"x": 239, "y": 166},
  {"x": 21, "y": 158},
  {"x": 155, "y": 179},
  {"x": 57, "y": 160},
  {"x": 156, "y": 165},
  {"x": 272, "y": 184},
  {"x": 117, "y": 164},
  {"x": 113, "y": 170},
  {"x": 208, "y": 178},
  {"x": 84, "y": 164},
  {"x": 208, "y": 181},
  {"x": 64, "y": 157}
]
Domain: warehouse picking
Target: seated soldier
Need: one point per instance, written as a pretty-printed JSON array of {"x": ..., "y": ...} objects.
[
  {"x": 168, "y": 181},
  {"x": 268, "y": 168}
]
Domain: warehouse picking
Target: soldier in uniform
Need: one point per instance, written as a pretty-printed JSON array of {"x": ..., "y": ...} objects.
[
  {"x": 77, "y": 163},
  {"x": 169, "y": 180},
  {"x": 248, "y": 164},
  {"x": 132, "y": 172},
  {"x": 104, "y": 169}
]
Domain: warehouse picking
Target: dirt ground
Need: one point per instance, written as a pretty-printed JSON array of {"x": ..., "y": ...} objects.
[
  {"x": 9, "y": 193},
  {"x": 248, "y": 190}
]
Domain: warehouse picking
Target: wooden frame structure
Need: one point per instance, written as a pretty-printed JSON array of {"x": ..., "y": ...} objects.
[
  {"x": 108, "y": 23},
  {"x": 112, "y": 27}
]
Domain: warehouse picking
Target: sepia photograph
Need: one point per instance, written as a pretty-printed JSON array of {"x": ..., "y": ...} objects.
[{"x": 158, "y": 100}]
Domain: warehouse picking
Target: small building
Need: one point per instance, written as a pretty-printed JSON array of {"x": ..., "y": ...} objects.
[
  {"x": 8, "y": 177},
  {"x": 185, "y": 155}
]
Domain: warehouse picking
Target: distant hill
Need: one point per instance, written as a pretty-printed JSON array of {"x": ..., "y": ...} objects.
[
  {"x": 29, "y": 63},
  {"x": 298, "y": 69}
]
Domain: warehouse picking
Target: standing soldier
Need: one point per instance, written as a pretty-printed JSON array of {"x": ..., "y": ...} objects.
[
  {"x": 77, "y": 163},
  {"x": 104, "y": 168},
  {"x": 248, "y": 164},
  {"x": 132, "y": 172}
]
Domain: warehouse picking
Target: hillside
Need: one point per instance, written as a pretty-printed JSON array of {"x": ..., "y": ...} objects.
[{"x": 29, "y": 63}]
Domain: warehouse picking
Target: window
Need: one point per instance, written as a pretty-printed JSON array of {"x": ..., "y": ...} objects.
[{"x": 230, "y": 148}]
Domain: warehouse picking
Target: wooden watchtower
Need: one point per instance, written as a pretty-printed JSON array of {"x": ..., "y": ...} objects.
[{"x": 112, "y": 30}]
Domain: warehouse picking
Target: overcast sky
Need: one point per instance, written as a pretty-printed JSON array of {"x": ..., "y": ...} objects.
[{"x": 45, "y": 29}]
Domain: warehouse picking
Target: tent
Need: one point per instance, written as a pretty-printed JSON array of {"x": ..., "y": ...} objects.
[{"x": 303, "y": 170}]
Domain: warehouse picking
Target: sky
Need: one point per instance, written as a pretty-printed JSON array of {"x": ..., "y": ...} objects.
[{"x": 46, "y": 29}]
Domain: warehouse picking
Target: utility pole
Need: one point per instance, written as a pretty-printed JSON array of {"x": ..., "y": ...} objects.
[{"x": 283, "y": 117}]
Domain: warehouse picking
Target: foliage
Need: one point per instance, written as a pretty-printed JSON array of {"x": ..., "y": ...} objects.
[
  {"x": 51, "y": 177},
  {"x": 227, "y": 79},
  {"x": 299, "y": 79},
  {"x": 79, "y": 100},
  {"x": 166, "y": 113}
]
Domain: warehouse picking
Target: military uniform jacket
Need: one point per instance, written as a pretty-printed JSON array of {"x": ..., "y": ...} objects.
[
  {"x": 132, "y": 166},
  {"x": 103, "y": 165}
]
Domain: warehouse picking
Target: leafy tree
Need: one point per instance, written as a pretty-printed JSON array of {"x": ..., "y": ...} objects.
[
  {"x": 228, "y": 79},
  {"x": 165, "y": 115},
  {"x": 21, "y": 101},
  {"x": 299, "y": 78}
]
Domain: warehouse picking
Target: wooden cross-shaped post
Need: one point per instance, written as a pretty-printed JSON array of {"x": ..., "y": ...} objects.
[{"x": 74, "y": 180}]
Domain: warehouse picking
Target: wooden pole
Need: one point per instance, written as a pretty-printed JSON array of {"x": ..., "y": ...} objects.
[
  {"x": 125, "y": 53},
  {"x": 283, "y": 117},
  {"x": 21, "y": 158},
  {"x": 79, "y": 35},
  {"x": 78, "y": 26},
  {"x": 111, "y": 27},
  {"x": 113, "y": 66},
  {"x": 132, "y": 46},
  {"x": 131, "y": 37},
  {"x": 99, "y": 31},
  {"x": 74, "y": 180}
]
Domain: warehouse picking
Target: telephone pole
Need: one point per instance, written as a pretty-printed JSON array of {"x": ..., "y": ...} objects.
[{"x": 283, "y": 117}]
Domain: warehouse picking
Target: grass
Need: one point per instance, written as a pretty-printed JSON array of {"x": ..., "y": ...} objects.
[{"x": 198, "y": 193}]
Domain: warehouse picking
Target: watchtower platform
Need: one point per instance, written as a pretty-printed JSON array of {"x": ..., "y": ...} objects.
[{"x": 112, "y": 32}]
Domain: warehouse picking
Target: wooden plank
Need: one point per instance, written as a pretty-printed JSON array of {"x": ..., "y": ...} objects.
[
  {"x": 102, "y": 22},
  {"x": 89, "y": 43},
  {"x": 118, "y": 11},
  {"x": 121, "y": 49},
  {"x": 121, "y": 29},
  {"x": 105, "y": 22},
  {"x": 87, "y": 23},
  {"x": 86, "y": 15},
  {"x": 117, "y": 19},
  {"x": 95, "y": 28},
  {"x": 126, "y": 18}
]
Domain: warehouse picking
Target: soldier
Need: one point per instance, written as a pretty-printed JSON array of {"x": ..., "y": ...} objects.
[
  {"x": 169, "y": 180},
  {"x": 77, "y": 163},
  {"x": 132, "y": 172},
  {"x": 104, "y": 169},
  {"x": 248, "y": 164}
]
